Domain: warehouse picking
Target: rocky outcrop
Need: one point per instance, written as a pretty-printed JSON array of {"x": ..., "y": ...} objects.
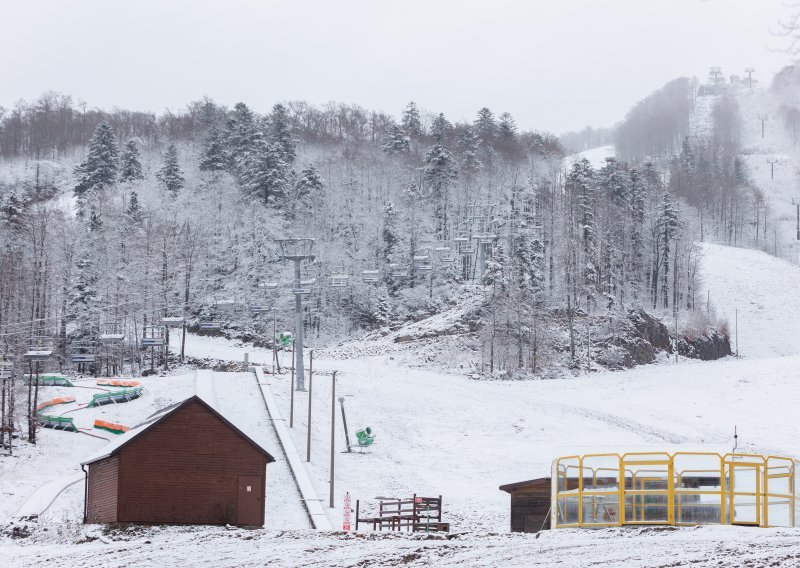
[
  {"x": 651, "y": 330},
  {"x": 713, "y": 344}
]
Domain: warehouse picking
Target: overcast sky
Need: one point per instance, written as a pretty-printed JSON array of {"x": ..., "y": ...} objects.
[{"x": 556, "y": 65}]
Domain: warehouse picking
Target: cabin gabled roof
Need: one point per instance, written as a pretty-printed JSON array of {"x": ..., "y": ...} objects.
[{"x": 123, "y": 440}]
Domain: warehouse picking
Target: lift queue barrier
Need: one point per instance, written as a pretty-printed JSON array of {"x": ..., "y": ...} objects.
[
  {"x": 684, "y": 489},
  {"x": 117, "y": 383},
  {"x": 124, "y": 395}
]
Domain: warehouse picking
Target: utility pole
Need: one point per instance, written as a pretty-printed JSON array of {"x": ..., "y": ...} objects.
[
  {"x": 772, "y": 161},
  {"x": 297, "y": 250},
  {"x": 750, "y": 72},
  {"x": 310, "y": 385},
  {"x": 333, "y": 434},
  {"x": 796, "y": 201}
]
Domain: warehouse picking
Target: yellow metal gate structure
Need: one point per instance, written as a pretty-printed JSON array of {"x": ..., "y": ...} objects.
[{"x": 684, "y": 488}]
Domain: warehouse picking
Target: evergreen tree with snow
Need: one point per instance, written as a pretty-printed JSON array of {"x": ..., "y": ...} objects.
[
  {"x": 280, "y": 132},
  {"x": 264, "y": 173},
  {"x": 130, "y": 164},
  {"x": 240, "y": 133},
  {"x": 170, "y": 173},
  {"x": 134, "y": 210},
  {"x": 98, "y": 170},
  {"x": 440, "y": 128},
  {"x": 396, "y": 141},
  {"x": 13, "y": 210},
  {"x": 506, "y": 128},
  {"x": 309, "y": 190},
  {"x": 213, "y": 158},
  {"x": 580, "y": 181},
  {"x": 440, "y": 174},
  {"x": 614, "y": 182},
  {"x": 390, "y": 234},
  {"x": 412, "y": 121},
  {"x": 486, "y": 126},
  {"x": 668, "y": 224},
  {"x": 469, "y": 144}
]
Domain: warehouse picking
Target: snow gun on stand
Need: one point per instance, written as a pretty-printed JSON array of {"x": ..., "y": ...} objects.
[{"x": 365, "y": 437}]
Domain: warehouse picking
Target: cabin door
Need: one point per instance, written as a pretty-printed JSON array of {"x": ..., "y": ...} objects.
[{"x": 249, "y": 505}]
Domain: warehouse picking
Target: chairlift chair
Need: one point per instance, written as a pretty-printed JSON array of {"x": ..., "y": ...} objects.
[
  {"x": 486, "y": 239},
  {"x": 397, "y": 271},
  {"x": 370, "y": 276},
  {"x": 82, "y": 352},
  {"x": 463, "y": 245},
  {"x": 39, "y": 349},
  {"x": 172, "y": 321},
  {"x": 153, "y": 336},
  {"x": 257, "y": 309},
  {"x": 224, "y": 304},
  {"x": 339, "y": 280},
  {"x": 112, "y": 332},
  {"x": 6, "y": 370},
  {"x": 268, "y": 285},
  {"x": 210, "y": 326}
]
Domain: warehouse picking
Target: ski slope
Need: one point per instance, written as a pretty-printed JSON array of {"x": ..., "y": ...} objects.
[{"x": 444, "y": 433}]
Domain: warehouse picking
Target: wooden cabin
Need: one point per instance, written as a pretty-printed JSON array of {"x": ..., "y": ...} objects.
[
  {"x": 185, "y": 464},
  {"x": 530, "y": 504}
]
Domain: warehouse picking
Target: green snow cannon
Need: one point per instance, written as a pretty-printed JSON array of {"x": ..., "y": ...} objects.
[
  {"x": 285, "y": 337},
  {"x": 365, "y": 437}
]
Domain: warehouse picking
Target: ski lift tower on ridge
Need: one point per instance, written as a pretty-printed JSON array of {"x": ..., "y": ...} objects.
[{"x": 298, "y": 249}]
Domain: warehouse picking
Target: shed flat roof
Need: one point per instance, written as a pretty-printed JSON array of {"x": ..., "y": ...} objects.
[
  {"x": 509, "y": 487},
  {"x": 124, "y": 439}
]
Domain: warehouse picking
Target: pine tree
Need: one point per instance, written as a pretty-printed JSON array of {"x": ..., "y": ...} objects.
[
  {"x": 396, "y": 141},
  {"x": 440, "y": 128},
  {"x": 240, "y": 133},
  {"x": 668, "y": 224},
  {"x": 390, "y": 234},
  {"x": 264, "y": 173},
  {"x": 134, "y": 210},
  {"x": 98, "y": 170},
  {"x": 308, "y": 190},
  {"x": 411, "y": 121},
  {"x": 170, "y": 173},
  {"x": 507, "y": 128},
  {"x": 613, "y": 181},
  {"x": 13, "y": 211},
  {"x": 280, "y": 132},
  {"x": 581, "y": 182},
  {"x": 130, "y": 164},
  {"x": 469, "y": 144},
  {"x": 213, "y": 156},
  {"x": 486, "y": 126},
  {"x": 440, "y": 173}
]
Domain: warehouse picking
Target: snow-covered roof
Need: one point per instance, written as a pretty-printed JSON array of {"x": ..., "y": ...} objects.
[{"x": 114, "y": 445}]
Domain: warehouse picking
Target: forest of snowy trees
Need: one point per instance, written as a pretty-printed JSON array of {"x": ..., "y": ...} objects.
[{"x": 126, "y": 218}]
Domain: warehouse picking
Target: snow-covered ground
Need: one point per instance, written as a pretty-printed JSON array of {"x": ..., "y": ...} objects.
[
  {"x": 444, "y": 433},
  {"x": 596, "y": 156}
]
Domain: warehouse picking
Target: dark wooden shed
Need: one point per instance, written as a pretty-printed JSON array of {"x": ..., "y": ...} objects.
[
  {"x": 530, "y": 504},
  {"x": 185, "y": 464}
]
